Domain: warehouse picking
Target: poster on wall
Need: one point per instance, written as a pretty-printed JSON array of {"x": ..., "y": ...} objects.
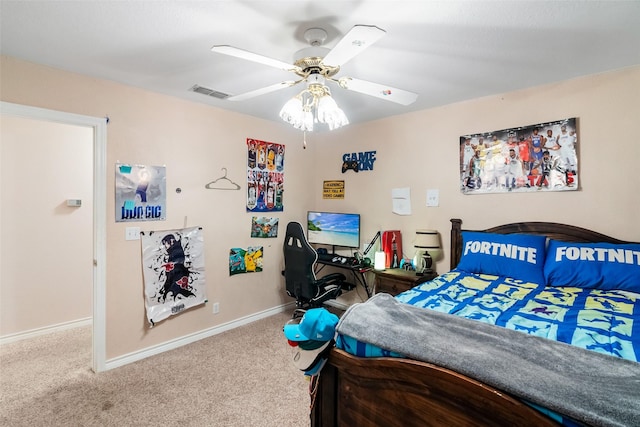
[
  {"x": 245, "y": 260},
  {"x": 173, "y": 270},
  {"x": 264, "y": 227},
  {"x": 141, "y": 193},
  {"x": 540, "y": 157},
  {"x": 265, "y": 176}
]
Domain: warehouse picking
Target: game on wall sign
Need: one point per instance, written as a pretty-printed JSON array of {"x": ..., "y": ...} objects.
[{"x": 362, "y": 161}]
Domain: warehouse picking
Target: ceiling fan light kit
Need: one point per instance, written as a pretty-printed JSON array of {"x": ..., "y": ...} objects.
[{"x": 315, "y": 65}]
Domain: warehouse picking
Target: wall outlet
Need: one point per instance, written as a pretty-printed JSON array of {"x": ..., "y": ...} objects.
[{"x": 216, "y": 307}]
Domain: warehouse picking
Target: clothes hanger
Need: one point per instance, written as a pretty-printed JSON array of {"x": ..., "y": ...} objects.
[{"x": 210, "y": 185}]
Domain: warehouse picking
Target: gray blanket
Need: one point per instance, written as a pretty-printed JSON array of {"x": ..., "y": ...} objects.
[{"x": 590, "y": 387}]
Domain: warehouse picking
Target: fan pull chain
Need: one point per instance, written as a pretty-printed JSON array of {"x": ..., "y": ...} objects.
[{"x": 304, "y": 139}]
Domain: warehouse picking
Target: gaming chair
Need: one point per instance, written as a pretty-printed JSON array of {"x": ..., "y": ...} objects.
[{"x": 300, "y": 278}]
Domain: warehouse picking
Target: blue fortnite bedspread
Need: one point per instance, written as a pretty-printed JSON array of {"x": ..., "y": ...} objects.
[{"x": 607, "y": 322}]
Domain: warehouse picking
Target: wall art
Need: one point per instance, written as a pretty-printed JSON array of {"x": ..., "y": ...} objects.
[
  {"x": 264, "y": 227},
  {"x": 245, "y": 260},
  {"x": 540, "y": 157},
  {"x": 265, "y": 176},
  {"x": 141, "y": 193},
  {"x": 173, "y": 269}
]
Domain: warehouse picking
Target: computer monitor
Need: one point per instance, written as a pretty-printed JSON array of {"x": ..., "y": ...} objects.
[{"x": 334, "y": 229}]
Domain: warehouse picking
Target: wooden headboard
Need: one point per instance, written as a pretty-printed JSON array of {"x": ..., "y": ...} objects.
[{"x": 553, "y": 230}]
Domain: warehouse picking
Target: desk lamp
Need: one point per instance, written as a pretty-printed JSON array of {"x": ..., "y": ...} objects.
[{"x": 426, "y": 240}]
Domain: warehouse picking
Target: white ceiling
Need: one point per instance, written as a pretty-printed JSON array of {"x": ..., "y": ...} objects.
[{"x": 445, "y": 51}]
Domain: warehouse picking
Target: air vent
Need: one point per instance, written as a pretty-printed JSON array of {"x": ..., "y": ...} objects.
[{"x": 209, "y": 92}]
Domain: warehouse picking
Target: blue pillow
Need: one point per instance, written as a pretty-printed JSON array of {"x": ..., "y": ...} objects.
[
  {"x": 519, "y": 256},
  {"x": 604, "y": 266}
]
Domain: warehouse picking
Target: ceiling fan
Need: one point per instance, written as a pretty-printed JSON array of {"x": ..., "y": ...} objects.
[{"x": 315, "y": 65}]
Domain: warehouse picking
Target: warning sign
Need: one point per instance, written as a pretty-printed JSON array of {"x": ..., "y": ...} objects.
[{"x": 333, "y": 190}]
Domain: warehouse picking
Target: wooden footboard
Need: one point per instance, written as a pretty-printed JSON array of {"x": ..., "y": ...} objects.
[{"x": 389, "y": 392}]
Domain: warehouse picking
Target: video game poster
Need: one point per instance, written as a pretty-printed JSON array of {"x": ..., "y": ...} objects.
[
  {"x": 265, "y": 176},
  {"x": 245, "y": 260},
  {"x": 541, "y": 157},
  {"x": 173, "y": 270},
  {"x": 264, "y": 227},
  {"x": 141, "y": 193}
]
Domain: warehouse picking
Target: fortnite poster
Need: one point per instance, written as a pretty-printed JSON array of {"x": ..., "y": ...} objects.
[
  {"x": 265, "y": 176},
  {"x": 173, "y": 269},
  {"x": 141, "y": 193}
]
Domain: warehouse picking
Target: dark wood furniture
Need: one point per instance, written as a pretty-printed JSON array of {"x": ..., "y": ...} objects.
[
  {"x": 391, "y": 392},
  {"x": 396, "y": 280}
]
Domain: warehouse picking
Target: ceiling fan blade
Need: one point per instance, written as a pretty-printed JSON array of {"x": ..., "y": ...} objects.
[
  {"x": 354, "y": 42},
  {"x": 387, "y": 93},
  {"x": 250, "y": 56},
  {"x": 262, "y": 91}
]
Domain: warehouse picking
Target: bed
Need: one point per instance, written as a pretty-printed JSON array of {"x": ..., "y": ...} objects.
[{"x": 364, "y": 384}]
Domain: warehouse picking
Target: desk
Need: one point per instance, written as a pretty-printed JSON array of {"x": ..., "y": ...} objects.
[
  {"x": 358, "y": 271},
  {"x": 396, "y": 280}
]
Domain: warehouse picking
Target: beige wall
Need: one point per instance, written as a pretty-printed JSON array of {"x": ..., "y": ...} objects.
[
  {"x": 47, "y": 251},
  {"x": 194, "y": 141},
  {"x": 418, "y": 150}
]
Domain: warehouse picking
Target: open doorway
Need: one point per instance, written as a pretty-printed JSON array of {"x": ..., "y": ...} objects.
[{"x": 53, "y": 228}]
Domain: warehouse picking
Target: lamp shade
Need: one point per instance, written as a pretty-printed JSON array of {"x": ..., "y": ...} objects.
[{"x": 427, "y": 240}]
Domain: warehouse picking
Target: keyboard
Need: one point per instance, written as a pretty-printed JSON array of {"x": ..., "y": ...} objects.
[{"x": 339, "y": 259}]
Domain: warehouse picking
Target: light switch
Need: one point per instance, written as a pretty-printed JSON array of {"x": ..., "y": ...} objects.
[
  {"x": 433, "y": 197},
  {"x": 132, "y": 233}
]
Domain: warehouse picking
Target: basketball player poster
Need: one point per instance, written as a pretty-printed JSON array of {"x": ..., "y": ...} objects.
[
  {"x": 541, "y": 157},
  {"x": 141, "y": 193},
  {"x": 173, "y": 269},
  {"x": 265, "y": 176}
]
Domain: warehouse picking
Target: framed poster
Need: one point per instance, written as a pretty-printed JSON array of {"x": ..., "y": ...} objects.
[{"x": 540, "y": 157}]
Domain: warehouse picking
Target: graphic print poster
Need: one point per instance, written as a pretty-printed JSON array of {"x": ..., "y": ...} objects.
[
  {"x": 173, "y": 269},
  {"x": 265, "y": 176},
  {"x": 141, "y": 193},
  {"x": 541, "y": 157},
  {"x": 245, "y": 260},
  {"x": 264, "y": 227}
]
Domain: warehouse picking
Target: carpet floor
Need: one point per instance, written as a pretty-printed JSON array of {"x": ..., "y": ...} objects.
[{"x": 240, "y": 378}]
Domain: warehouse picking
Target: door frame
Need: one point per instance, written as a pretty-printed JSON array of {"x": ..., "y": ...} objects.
[{"x": 99, "y": 126}]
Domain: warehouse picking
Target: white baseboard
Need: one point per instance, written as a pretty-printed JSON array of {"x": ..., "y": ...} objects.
[
  {"x": 45, "y": 330},
  {"x": 188, "y": 339}
]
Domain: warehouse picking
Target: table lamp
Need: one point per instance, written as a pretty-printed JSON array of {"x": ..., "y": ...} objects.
[{"x": 426, "y": 240}]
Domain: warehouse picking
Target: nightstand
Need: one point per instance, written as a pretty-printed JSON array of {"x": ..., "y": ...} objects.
[{"x": 396, "y": 280}]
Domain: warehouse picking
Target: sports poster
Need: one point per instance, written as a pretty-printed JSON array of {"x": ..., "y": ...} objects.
[
  {"x": 245, "y": 260},
  {"x": 141, "y": 193},
  {"x": 265, "y": 176},
  {"x": 541, "y": 157},
  {"x": 173, "y": 269}
]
